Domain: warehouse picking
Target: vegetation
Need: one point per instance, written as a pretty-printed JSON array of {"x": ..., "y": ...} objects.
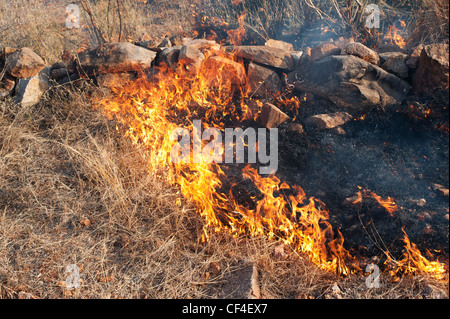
[{"x": 73, "y": 190}]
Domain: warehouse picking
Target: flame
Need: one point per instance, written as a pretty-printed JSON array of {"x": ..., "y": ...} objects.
[
  {"x": 394, "y": 37},
  {"x": 388, "y": 203},
  {"x": 237, "y": 35},
  {"x": 414, "y": 262},
  {"x": 149, "y": 110}
]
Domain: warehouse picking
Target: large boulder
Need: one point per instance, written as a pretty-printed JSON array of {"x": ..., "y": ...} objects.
[
  {"x": 114, "y": 58},
  {"x": 350, "y": 82},
  {"x": 270, "y": 56},
  {"x": 23, "y": 63},
  {"x": 432, "y": 72},
  {"x": 262, "y": 81}
]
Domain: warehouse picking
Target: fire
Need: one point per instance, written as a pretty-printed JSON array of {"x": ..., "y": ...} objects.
[
  {"x": 388, "y": 203},
  {"x": 414, "y": 262},
  {"x": 148, "y": 111},
  {"x": 394, "y": 37},
  {"x": 237, "y": 35}
]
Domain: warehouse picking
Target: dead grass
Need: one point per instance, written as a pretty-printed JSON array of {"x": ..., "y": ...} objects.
[{"x": 74, "y": 191}]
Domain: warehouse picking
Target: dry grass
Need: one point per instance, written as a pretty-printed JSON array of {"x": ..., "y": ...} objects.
[{"x": 73, "y": 190}]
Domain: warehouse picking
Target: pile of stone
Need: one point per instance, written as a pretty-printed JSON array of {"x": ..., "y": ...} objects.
[{"x": 348, "y": 74}]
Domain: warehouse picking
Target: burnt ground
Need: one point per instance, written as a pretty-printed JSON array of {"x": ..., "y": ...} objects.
[{"x": 390, "y": 153}]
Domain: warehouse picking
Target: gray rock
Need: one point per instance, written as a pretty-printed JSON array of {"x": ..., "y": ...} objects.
[
  {"x": 350, "y": 82},
  {"x": 395, "y": 63},
  {"x": 169, "y": 57},
  {"x": 433, "y": 69}
]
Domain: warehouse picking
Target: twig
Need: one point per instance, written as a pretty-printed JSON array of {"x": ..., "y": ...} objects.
[{"x": 97, "y": 32}]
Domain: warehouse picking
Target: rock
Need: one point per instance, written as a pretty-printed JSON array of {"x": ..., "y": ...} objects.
[
  {"x": 271, "y": 116},
  {"x": 59, "y": 74},
  {"x": 115, "y": 58},
  {"x": 413, "y": 60},
  {"x": 29, "y": 91},
  {"x": 24, "y": 63},
  {"x": 149, "y": 44},
  {"x": 280, "y": 45},
  {"x": 265, "y": 55},
  {"x": 262, "y": 81},
  {"x": 7, "y": 51},
  {"x": 69, "y": 79},
  {"x": 203, "y": 45},
  {"x": 395, "y": 63},
  {"x": 432, "y": 72},
  {"x": 362, "y": 52},
  {"x": 343, "y": 42},
  {"x": 296, "y": 56},
  {"x": 242, "y": 284},
  {"x": 350, "y": 82},
  {"x": 324, "y": 50},
  {"x": 169, "y": 57},
  {"x": 329, "y": 121},
  {"x": 190, "y": 58},
  {"x": 6, "y": 85},
  {"x": 165, "y": 43},
  {"x": 223, "y": 72}
]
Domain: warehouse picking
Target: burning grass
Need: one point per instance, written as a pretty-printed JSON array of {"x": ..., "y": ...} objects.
[{"x": 76, "y": 191}]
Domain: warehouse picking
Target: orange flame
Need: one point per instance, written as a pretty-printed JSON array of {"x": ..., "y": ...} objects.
[
  {"x": 394, "y": 37},
  {"x": 388, "y": 203},
  {"x": 414, "y": 262}
]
